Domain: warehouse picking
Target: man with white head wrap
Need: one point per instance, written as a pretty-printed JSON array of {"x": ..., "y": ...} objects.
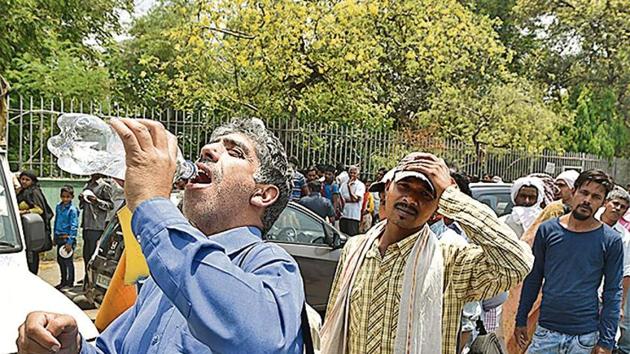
[
  {"x": 527, "y": 195},
  {"x": 565, "y": 182}
]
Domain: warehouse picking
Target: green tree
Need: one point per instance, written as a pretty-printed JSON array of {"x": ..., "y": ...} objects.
[
  {"x": 37, "y": 33},
  {"x": 503, "y": 115},
  {"x": 63, "y": 74},
  {"x": 581, "y": 51},
  {"x": 598, "y": 127}
]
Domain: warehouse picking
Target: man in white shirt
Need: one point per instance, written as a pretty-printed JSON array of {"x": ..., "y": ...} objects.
[
  {"x": 352, "y": 193},
  {"x": 616, "y": 206}
]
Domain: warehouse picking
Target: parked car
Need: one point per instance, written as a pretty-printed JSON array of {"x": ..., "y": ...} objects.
[
  {"x": 23, "y": 291},
  {"x": 314, "y": 243},
  {"x": 495, "y": 195}
]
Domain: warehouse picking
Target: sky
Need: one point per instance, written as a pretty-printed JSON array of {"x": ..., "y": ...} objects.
[{"x": 141, "y": 7}]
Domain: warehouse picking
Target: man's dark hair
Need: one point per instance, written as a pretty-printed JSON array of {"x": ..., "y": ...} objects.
[
  {"x": 312, "y": 168},
  {"x": 595, "y": 176},
  {"x": 274, "y": 167},
  {"x": 462, "y": 183},
  {"x": 67, "y": 189},
  {"x": 293, "y": 161},
  {"x": 340, "y": 168},
  {"x": 329, "y": 168},
  {"x": 314, "y": 186}
]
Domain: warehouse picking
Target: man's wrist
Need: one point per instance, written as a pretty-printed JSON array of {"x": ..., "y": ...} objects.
[{"x": 605, "y": 345}]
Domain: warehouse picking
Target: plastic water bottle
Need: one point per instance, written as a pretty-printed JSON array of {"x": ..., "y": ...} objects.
[{"x": 87, "y": 145}]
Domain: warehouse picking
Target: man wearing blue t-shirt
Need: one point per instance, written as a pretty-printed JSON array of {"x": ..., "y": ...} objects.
[
  {"x": 572, "y": 255},
  {"x": 330, "y": 189}
]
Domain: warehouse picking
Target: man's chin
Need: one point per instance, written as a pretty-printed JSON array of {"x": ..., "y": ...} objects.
[{"x": 580, "y": 216}]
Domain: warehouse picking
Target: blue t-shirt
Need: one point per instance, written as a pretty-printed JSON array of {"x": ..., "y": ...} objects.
[
  {"x": 319, "y": 205},
  {"x": 328, "y": 190},
  {"x": 572, "y": 265},
  {"x": 298, "y": 182},
  {"x": 66, "y": 222}
]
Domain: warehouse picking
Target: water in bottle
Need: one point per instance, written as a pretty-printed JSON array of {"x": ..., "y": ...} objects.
[{"x": 87, "y": 145}]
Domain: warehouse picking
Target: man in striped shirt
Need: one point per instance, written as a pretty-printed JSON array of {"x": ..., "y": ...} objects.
[{"x": 493, "y": 262}]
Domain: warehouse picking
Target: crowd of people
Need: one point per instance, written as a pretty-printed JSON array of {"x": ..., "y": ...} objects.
[
  {"x": 96, "y": 201},
  {"x": 513, "y": 316},
  {"x": 437, "y": 272}
]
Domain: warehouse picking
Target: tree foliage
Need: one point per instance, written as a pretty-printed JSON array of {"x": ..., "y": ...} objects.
[
  {"x": 524, "y": 74},
  {"x": 376, "y": 64},
  {"x": 51, "y": 47}
]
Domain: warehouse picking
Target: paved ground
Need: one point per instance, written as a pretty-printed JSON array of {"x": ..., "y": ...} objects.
[{"x": 49, "y": 271}]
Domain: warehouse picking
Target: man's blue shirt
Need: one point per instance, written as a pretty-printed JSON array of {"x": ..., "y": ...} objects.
[
  {"x": 227, "y": 293},
  {"x": 572, "y": 265}
]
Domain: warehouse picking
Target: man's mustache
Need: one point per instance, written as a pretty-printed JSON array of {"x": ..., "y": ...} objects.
[
  {"x": 406, "y": 208},
  {"x": 585, "y": 206}
]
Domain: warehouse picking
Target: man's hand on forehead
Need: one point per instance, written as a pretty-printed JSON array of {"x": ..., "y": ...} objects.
[{"x": 432, "y": 167}]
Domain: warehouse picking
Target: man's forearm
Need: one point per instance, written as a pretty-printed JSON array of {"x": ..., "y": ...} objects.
[{"x": 502, "y": 249}]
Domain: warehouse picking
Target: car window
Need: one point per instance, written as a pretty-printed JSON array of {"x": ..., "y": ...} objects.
[
  {"x": 501, "y": 203},
  {"x": 295, "y": 226},
  {"x": 8, "y": 232}
]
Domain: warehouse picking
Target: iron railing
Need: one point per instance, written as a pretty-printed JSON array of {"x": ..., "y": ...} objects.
[{"x": 31, "y": 121}]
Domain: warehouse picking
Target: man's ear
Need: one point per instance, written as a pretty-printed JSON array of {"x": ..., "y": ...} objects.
[{"x": 265, "y": 195}]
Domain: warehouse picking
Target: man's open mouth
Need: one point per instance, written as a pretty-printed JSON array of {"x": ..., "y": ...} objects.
[{"x": 203, "y": 175}]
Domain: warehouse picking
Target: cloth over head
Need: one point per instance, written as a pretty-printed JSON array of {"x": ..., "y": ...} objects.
[
  {"x": 528, "y": 182},
  {"x": 569, "y": 177}
]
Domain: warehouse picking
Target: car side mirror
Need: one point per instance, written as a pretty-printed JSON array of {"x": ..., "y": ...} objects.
[
  {"x": 337, "y": 241},
  {"x": 34, "y": 232},
  {"x": 329, "y": 236},
  {"x": 332, "y": 238}
]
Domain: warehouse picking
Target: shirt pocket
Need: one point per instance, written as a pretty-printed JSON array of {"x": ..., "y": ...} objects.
[{"x": 191, "y": 345}]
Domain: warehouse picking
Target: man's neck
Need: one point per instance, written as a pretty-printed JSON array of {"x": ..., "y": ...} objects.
[
  {"x": 393, "y": 234},
  {"x": 573, "y": 224},
  {"x": 608, "y": 221}
]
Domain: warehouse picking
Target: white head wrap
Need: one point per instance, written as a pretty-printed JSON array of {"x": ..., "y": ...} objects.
[
  {"x": 569, "y": 176},
  {"x": 528, "y": 182},
  {"x": 526, "y": 216}
]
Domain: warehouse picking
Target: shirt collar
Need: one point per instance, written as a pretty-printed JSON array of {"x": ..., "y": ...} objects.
[
  {"x": 236, "y": 239},
  {"x": 407, "y": 243},
  {"x": 404, "y": 246}
]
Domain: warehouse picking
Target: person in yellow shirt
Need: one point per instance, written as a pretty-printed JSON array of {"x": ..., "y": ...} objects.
[{"x": 398, "y": 270}]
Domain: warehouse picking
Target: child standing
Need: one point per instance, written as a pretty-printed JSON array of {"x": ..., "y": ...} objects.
[{"x": 66, "y": 224}]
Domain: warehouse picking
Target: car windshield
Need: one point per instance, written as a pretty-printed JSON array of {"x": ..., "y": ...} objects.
[{"x": 9, "y": 240}]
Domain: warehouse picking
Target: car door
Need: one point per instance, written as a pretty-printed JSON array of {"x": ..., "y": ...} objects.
[{"x": 302, "y": 234}]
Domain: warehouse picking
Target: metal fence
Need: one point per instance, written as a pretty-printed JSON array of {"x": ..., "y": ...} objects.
[{"x": 32, "y": 121}]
